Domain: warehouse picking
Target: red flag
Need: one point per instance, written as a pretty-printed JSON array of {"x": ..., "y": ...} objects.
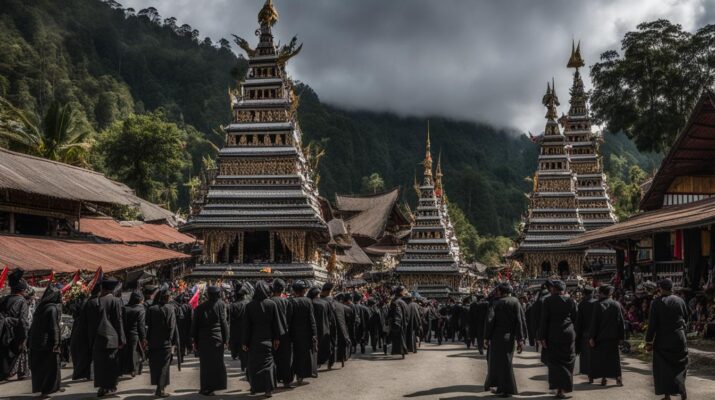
[
  {"x": 3, "y": 277},
  {"x": 97, "y": 277},
  {"x": 51, "y": 278},
  {"x": 194, "y": 302},
  {"x": 68, "y": 286}
]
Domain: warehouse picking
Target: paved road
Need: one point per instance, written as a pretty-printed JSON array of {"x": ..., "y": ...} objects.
[{"x": 436, "y": 372}]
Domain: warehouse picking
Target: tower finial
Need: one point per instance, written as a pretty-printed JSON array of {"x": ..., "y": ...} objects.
[
  {"x": 438, "y": 176},
  {"x": 575, "y": 61},
  {"x": 550, "y": 101},
  {"x": 427, "y": 163},
  {"x": 268, "y": 15}
]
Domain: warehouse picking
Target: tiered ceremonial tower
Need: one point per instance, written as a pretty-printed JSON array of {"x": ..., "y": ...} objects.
[
  {"x": 261, "y": 216},
  {"x": 553, "y": 215},
  {"x": 430, "y": 265},
  {"x": 593, "y": 202}
]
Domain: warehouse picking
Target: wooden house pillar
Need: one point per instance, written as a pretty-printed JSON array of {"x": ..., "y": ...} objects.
[
  {"x": 620, "y": 264},
  {"x": 11, "y": 216},
  {"x": 272, "y": 236},
  {"x": 692, "y": 256}
]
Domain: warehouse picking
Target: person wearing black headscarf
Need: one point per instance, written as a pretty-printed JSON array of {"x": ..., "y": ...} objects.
[
  {"x": 558, "y": 338},
  {"x": 80, "y": 352},
  {"x": 666, "y": 338},
  {"x": 262, "y": 331},
  {"x": 325, "y": 324},
  {"x": 477, "y": 317},
  {"x": 44, "y": 343},
  {"x": 135, "y": 331},
  {"x": 210, "y": 333},
  {"x": 162, "y": 335},
  {"x": 413, "y": 326},
  {"x": 606, "y": 331},
  {"x": 13, "y": 351},
  {"x": 105, "y": 329},
  {"x": 504, "y": 328},
  {"x": 583, "y": 326},
  {"x": 284, "y": 353},
  {"x": 236, "y": 311},
  {"x": 303, "y": 333},
  {"x": 397, "y": 318}
]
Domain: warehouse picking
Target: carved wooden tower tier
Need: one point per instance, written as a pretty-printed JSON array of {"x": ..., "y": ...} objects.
[{"x": 260, "y": 216}]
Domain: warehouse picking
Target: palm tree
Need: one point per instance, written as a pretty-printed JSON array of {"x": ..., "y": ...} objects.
[{"x": 58, "y": 136}]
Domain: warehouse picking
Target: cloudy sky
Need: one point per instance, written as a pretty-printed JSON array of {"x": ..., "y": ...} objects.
[{"x": 485, "y": 61}]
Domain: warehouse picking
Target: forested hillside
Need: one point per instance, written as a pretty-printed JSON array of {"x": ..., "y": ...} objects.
[{"x": 109, "y": 63}]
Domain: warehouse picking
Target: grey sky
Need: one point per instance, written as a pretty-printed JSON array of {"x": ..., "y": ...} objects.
[{"x": 483, "y": 61}]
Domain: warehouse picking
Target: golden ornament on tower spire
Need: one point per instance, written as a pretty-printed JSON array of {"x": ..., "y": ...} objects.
[
  {"x": 575, "y": 61},
  {"x": 268, "y": 15}
]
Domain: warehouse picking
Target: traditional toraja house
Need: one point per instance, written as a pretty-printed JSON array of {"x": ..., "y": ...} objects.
[
  {"x": 553, "y": 215},
  {"x": 43, "y": 207},
  {"x": 594, "y": 204},
  {"x": 261, "y": 216},
  {"x": 376, "y": 227},
  {"x": 429, "y": 265},
  {"x": 673, "y": 236}
]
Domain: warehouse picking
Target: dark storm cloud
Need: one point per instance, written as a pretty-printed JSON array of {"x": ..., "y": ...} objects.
[{"x": 478, "y": 60}]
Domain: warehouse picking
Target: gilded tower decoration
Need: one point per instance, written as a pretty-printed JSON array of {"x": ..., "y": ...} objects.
[
  {"x": 261, "y": 214},
  {"x": 594, "y": 203},
  {"x": 430, "y": 264},
  {"x": 553, "y": 215}
]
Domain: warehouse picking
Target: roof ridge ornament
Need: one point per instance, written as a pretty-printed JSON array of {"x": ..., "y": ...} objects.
[
  {"x": 575, "y": 61},
  {"x": 268, "y": 16}
]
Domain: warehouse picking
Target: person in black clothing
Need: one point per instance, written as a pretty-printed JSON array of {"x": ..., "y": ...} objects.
[
  {"x": 325, "y": 322},
  {"x": 362, "y": 330},
  {"x": 352, "y": 320},
  {"x": 558, "y": 336},
  {"x": 607, "y": 329},
  {"x": 477, "y": 312},
  {"x": 536, "y": 315},
  {"x": 44, "y": 343},
  {"x": 80, "y": 352},
  {"x": 105, "y": 327},
  {"x": 505, "y": 327},
  {"x": 583, "y": 326},
  {"x": 303, "y": 333},
  {"x": 412, "y": 331},
  {"x": 162, "y": 338},
  {"x": 344, "y": 320},
  {"x": 376, "y": 324},
  {"x": 14, "y": 308},
  {"x": 210, "y": 333},
  {"x": 262, "y": 329},
  {"x": 665, "y": 337},
  {"x": 442, "y": 322},
  {"x": 236, "y": 311},
  {"x": 398, "y": 321},
  {"x": 135, "y": 332},
  {"x": 184, "y": 316},
  {"x": 284, "y": 353}
]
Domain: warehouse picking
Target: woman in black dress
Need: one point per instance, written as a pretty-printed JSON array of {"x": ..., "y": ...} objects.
[{"x": 44, "y": 343}]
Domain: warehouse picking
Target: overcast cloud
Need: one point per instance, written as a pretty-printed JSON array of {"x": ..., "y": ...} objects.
[{"x": 485, "y": 61}]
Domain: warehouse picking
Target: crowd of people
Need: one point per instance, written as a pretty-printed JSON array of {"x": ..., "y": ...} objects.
[{"x": 282, "y": 335}]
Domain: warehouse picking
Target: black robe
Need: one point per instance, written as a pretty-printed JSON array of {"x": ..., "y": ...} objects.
[
  {"x": 15, "y": 310},
  {"x": 105, "y": 339},
  {"x": 556, "y": 328},
  {"x": 362, "y": 331},
  {"x": 162, "y": 334},
  {"x": 666, "y": 331},
  {"x": 44, "y": 343},
  {"x": 397, "y": 316},
  {"x": 504, "y": 327},
  {"x": 262, "y": 326},
  {"x": 236, "y": 310},
  {"x": 303, "y": 333},
  {"x": 536, "y": 310},
  {"x": 477, "y": 319},
  {"x": 583, "y": 326},
  {"x": 210, "y": 333},
  {"x": 376, "y": 325},
  {"x": 284, "y": 353},
  {"x": 183, "y": 324},
  {"x": 607, "y": 328},
  {"x": 343, "y": 318},
  {"x": 135, "y": 332},
  {"x": 80, "y": 352},
  {"x": 414, "y": 325},
  {"x": 325, "y": 323}
]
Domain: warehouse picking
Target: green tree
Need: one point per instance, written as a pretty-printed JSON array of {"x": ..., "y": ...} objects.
[
  {"x": 492, "y": 248},
  {"x": 648, "y": 91},
  {"x": 147, "y": 153},
  {"x": 373, "y": 183},
  {"x": 59, "y": 136},
  {"x": 466, "y": 233}
]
